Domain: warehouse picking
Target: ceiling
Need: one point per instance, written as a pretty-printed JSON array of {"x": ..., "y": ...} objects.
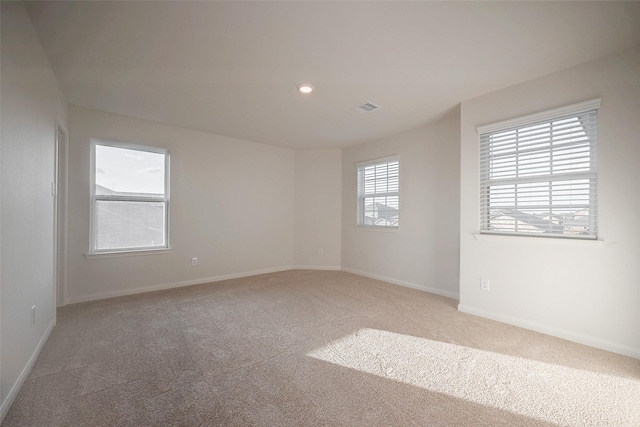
[{"x": 231, "y": 68}]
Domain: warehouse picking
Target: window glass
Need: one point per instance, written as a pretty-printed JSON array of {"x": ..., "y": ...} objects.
[
  {"x": 541, "y": 178},
  {"x": 130, "y": 198},
  {"x": 378, "y": 193},
  {"x": 127, "y": 171}
]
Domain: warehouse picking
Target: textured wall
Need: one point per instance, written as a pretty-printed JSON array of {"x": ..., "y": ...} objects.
[
  {"x": 231, "y": 207},
  {"x": 580, "y": 290},
  {"x": 423, "y": 252},
  {"x": 318, "y": 205},
  {"x": 32, "y": 104}
]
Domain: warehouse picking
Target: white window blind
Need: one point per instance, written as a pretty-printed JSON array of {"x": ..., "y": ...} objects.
[
  {"x": 539, "y": 175},
  {"x": 130, "y": 198},
  {"x": 378, "y": 193}
]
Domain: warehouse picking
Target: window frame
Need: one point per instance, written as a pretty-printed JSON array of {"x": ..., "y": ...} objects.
[
  {"x": 361, "y": 196},
  {"x": 575, "y": 110},
  {"x": 93, "y": 232}
]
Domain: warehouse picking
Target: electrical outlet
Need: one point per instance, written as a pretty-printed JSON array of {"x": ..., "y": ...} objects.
[
  {"x": 194, "y": 261},
  {"x": 484, "y": 285},
  {"x": 33, "y": 315}
]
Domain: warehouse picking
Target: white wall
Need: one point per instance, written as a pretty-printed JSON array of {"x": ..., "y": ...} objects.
[
  {"x": 318, "y": 209},
  {"x": 231, "y": 206},
  {"x": 31, "y": 104},
  {"x": 423, "y": 252},
  {"x": 584, "y": 291}
]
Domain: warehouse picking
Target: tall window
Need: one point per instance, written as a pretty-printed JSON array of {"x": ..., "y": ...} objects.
[
  {"x": 130, "y": 198},
  {"x": 538, "y": 175},
  {"x": 378, "y": 198}
]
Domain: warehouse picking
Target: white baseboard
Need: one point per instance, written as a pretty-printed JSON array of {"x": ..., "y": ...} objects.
[
  {"x": 391, "y": 280},
  {"x": 175, "y": 285},
  {"x": 164, "y": 286},
  {"x": 317, "y": 267},
  {"x": 25, "y": 372},
  {"x": 556, "y": 332}
]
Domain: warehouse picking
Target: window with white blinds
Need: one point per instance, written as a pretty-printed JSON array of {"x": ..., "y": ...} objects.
[
  {"x": 538, "y": 174},
  {"x": 378, "y": 193}
]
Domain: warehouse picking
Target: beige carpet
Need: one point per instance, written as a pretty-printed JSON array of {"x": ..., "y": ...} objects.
[{"x": 309, "y": 348}]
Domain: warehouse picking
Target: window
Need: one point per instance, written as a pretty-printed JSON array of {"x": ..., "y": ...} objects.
[
  {"x": 378, "y": 185},
  {"x": 538, "y": 174},
  {"x": 129, "y": 198}
]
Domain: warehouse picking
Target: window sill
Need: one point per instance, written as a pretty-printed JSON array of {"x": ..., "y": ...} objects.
[
  {"x": 98, "y": 255},
  {"x": 553, "y": 241},
  {"x": 373, "y": 228}
]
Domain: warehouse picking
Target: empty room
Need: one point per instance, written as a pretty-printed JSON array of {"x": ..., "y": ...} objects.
[{"x": 301, "y": 213}]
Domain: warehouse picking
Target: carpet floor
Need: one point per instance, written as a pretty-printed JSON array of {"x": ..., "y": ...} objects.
[{"x": 313, "y": 348}]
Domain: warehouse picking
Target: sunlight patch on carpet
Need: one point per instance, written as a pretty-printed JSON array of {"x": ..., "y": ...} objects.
[{"x": 547, "y": 392}]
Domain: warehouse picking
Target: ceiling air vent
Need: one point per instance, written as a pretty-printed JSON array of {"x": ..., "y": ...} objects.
[{"x": 367, "y": 107}]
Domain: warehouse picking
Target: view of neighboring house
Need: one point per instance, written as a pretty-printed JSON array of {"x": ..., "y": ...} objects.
[
  {"x": 380, "y": 214},
  {"x": 570, "y": 223},
  {"x": 127, "y": 223}
]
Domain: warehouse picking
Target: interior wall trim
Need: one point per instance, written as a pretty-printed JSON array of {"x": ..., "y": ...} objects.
[
  {"x": 172, "y": 285},
  {"x": 13, "y": 393},
  {"x": 566, "y": 334},
  {"x": 441, "y": 292}
]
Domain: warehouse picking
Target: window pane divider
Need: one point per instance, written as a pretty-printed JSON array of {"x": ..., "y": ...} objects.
[
  {"x": 141, "y": 199},
  {"x": 369, "y": 196},
  {"x": 541, "y": 178}
]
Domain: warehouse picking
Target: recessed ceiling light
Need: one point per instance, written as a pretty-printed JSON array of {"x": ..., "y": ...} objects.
[{"x": 305, "y": 88}]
